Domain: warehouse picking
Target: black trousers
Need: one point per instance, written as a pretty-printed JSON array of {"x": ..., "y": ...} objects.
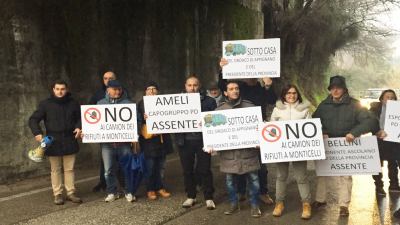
[
  {"x": 196, "y": 166},
  {"x": 392, "y": 174},
  {"x": 388, "y": 151}
]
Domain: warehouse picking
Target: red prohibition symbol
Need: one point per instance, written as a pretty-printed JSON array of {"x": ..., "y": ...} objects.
[
  {"x": 92, "y": 115},
  {"x": 271, "y": 133}
]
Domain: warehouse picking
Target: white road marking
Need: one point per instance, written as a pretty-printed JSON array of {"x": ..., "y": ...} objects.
[{"x": 23, "y": 194}]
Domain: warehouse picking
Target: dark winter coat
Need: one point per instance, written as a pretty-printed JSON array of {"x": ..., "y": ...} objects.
[
  {"x": 347, "y": 116},
  {"x": 238, "y": 161},
  {"x": 158, "y": 145},
  {"x": 256, "y": 94},
  {"x": 61, "y": 117}
]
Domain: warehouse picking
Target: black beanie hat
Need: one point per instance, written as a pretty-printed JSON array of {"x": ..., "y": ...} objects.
[{"x": 151, "y": 83}]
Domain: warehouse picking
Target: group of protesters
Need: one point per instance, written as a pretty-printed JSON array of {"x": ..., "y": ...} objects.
[{"x": 340, "y": 115}]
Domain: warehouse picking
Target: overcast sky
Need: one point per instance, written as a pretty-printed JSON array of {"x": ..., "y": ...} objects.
[{"x": 392, "y": 20}]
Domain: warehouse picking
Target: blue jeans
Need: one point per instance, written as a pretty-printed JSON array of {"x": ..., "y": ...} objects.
[
  {"x": 112, "y": 156},
  {"x": 154, "y": 169},
  {"x": 252, "y": 183}
]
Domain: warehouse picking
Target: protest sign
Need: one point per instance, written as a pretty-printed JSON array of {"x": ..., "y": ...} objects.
[
  {"x": 392, "y": 121},
  {"x": 251, "y": 58},
  {"x": 360, "y": 157},
  {"x": 109, "y": 123},
  {"x": 293, "y": 140},
  {"x": 231, "y": 128},
  {"x": 176, "y": 113}
]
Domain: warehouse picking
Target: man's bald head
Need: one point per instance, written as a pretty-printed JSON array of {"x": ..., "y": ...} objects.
[{"x": 109, "y": 75}]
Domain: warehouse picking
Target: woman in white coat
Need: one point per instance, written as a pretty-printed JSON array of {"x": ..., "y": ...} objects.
[{"x": 291, "y": 106}]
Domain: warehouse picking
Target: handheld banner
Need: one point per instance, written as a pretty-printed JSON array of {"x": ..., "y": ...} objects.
[
  {"x": 251, "y": 58},
  {"x": 360, "y": 157},
  {"x": 392, "y": 121},
  {"x": 109, "y": 123},
  {"x": 293, "y": 140},
  {"x": 176, "y": 113},
  {"x": 231, "y": 129}
]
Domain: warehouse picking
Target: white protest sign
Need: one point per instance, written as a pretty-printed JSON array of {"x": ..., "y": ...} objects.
[
  {"x": 231, "y": 128},
  {"x": 392, "y": 121},
  {"x": 176, "y": 113},
  {"x": 360, "y": 157},
  {"x": 251, "y": 58},
  {"x": 109, "y": 123},
  {"x": 293, "y": 140}
]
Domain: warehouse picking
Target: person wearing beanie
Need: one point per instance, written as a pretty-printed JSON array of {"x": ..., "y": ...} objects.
[
  {"x": 341, "y": 116},
  {"x": 155, "y": 148}
]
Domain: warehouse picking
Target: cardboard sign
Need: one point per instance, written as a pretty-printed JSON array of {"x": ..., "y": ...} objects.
[
  {"x": 293, "y": 140},
  {"x": 231, "y": 129},
  {"x": 109, "y": 123},
  {"x": 251, "y": 58},
  {"x": 177, "y": 113},
  {"x": 360, "y": 157},
  {"x": 392, "y": 121}
]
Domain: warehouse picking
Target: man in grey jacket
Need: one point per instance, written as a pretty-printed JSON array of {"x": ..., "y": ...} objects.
[{"x": 239, "y": 161}]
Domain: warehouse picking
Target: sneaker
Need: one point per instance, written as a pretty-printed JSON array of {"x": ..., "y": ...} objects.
[
  {"x": 317, "y": 205},
  {"x": 210, "y": 204},
  {"x": 163, "y": 193},
  {"x": 151, "y": 195},
  {"x": 232, "y": 209},
  {"x": 306, "y": 211},
  {"x": 278, "y": 210},
  {"x": 59, "y": 200},
  {"x": 255, "y": 212},
  {"x": 189, "y": 203},
  {"x": 73, "y": 198},
  {"x": 130, "y": 197},
  {"x": 110, "y": 198},
  {"x": 344, "y": 211},
  {"x": 380, "y": 191},
  {"x": 394, "y": 188},
  {"x": 266, "y": 199}
]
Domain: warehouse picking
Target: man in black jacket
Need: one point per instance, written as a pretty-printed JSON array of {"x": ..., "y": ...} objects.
[
  {"x": 62, "y": 120},
  {"x": 196, "y": 164}
]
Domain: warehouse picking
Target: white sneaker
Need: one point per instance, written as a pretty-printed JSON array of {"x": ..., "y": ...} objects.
[
  {"x": 189, "y": 203},
  {"x": 130, "y": 197},
  {"x": 110, "y": 198},
  {"x": 210, "y": 204}
]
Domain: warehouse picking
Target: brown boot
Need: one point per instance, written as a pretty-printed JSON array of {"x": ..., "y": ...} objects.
[
  {"x": 278, "y": 210},
  {"x": 163, "y": 193},
  {"x": 59, "y": 200},
  {"x": 344, "y": 211},
  {"x": 306, "y": 211},
  {"x": 73, "y": 198},
  {"x": 266, "y": 199},
  {"x": 151, "y": 195}
]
